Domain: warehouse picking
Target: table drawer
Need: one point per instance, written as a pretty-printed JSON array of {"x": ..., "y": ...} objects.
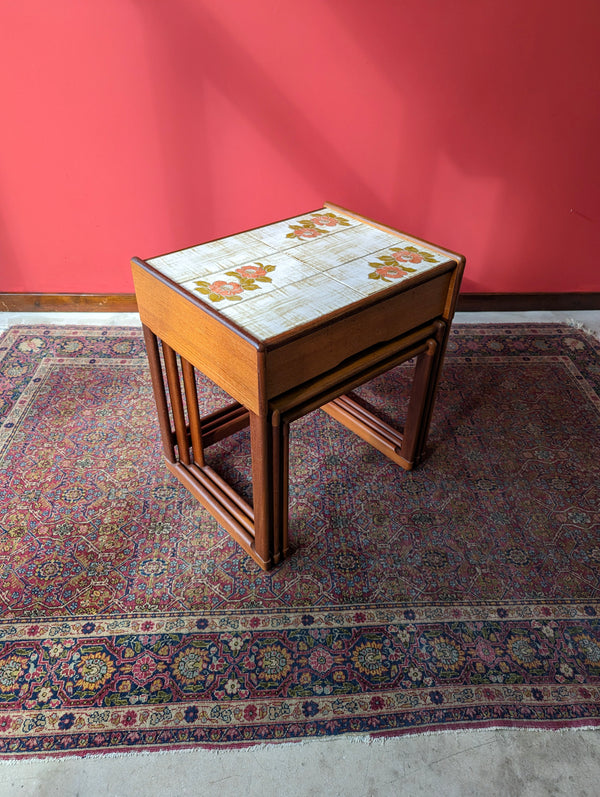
[{"x": 312, "y": 354}]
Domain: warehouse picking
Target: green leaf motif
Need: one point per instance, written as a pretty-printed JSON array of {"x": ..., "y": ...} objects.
[{"x": 427, "y": 256}]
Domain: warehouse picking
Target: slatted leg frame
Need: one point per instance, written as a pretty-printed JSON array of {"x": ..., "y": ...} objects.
[
  {"x": 185, "y": 435},
  {"x": 262, "y": 530}
]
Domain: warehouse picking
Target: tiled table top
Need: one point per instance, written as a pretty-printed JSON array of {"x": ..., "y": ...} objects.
[{"x": 274, "y": 278}]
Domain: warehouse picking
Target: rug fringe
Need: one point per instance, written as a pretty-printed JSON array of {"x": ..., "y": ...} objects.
[
  {"x": 573, "y": 323},
  {"x": 359, "y": 739}
]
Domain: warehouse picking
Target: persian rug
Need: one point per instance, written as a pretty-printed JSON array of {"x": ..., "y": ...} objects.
[{"x": 462, "y": 595}]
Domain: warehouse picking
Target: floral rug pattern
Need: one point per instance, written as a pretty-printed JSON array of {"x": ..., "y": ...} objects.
[{"x": 464, "y": 594}]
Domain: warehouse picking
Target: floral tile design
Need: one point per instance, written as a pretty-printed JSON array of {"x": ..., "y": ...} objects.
[
  {"x": 239, "y": 283},
  {"x": 246, "y": 276},
  {"x": 208, "y": 258},
  {"x": 293, "y": 232},
  {"x": 344, "y": 246},
  {"x": 292, "y": 305},
  {"x": 276, "y": 277}
]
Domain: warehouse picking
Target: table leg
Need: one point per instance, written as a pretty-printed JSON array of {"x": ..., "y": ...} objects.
[
  {"x": 269, "y": 438},
  {"x": 280, "y": 440},
  {"x": 404, "y": 447},
  {"x": 160, "y": 396},
  {"x": 185, "y": 438},
  {"x": 413, "y": 439},
  {"x": 424, "y": 389}
]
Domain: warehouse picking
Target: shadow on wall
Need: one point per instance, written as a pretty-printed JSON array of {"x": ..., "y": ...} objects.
[
  {"x": 504, "y": 105},
  {"x": 190, "y": 49},
  {"x": 483, "y": 136}
]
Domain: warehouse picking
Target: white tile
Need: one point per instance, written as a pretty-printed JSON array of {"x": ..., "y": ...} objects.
[
  {"x": 358, "y": 258},
  {"x": 211, "y": 257},
  {"x": 387, "y": 267},
  {"x": 250, "y": 281},
  {"x": 307, "y": 227},
  {"x": 288, "y": 307},
  {"x": 345, "y": 245}
]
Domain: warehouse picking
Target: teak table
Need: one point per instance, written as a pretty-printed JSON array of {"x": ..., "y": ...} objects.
[{"x": 287, "y": 318}]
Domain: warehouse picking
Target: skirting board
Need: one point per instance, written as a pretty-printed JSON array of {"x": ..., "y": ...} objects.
[{"x": 125, "y": 302}]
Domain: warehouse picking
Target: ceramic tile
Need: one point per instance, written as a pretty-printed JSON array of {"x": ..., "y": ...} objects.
[
  {"x": 250, "y": 281},
  {"x": 345, "y": 245},
  {"x": 274, "y": 278},
  {"x": 198, "y": 261},
  {"x": 308, "y": 227},
  {"x": 291, "y": 306},
  {"x": 381, "y": 269}
]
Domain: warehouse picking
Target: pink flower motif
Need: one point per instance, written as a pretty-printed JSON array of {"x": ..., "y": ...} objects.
[
  {"x": 5, "y": 723},
  {"x": 485, "y": 651},
  {"x": 251, "y": 272},
  {"x": 222, "y": 288},
  {"x": 324, "y": 221},
  {"x": 391, "y": 272},
  {"x": 143, "y": 669},
  {"x": 377, "y": 703},
  {"x": 250, "y": 713},
  {"x": 307, "y": 232},
  {"x": 405, "y": 256},
  {"x": 148, "y": 625},
  {"x": 320, "y": 660}
]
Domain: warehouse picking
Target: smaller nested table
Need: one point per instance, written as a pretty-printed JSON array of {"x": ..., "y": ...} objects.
[{"x": 287, "y": 318}]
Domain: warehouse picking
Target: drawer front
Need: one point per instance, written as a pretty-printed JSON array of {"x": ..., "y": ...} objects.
[{"x": 304, "y": 358}]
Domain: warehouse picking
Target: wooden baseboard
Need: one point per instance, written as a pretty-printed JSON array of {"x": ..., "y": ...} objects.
[
  {"x": 126, "y": 303},
  {"x": 522, "y": 302},
  {"x": 68, "y": 303}
]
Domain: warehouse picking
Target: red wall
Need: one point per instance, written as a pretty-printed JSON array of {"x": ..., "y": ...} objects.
[{"x": 133, "y": 127}]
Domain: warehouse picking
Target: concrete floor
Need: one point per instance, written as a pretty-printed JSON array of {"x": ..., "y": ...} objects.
[{"x": 503, "y": 763}]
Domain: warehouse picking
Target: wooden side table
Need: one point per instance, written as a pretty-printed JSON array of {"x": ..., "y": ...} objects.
[{"x": 287, "y": 318}]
